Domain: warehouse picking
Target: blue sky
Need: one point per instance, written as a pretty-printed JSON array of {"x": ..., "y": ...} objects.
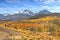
[{"x": 12, "y": 6}]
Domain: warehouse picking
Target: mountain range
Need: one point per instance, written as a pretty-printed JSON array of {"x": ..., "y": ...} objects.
[{"x": 26, "y": 14}]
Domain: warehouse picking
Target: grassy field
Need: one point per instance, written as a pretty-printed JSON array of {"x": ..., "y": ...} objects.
[{"x": 47, "y": 28}]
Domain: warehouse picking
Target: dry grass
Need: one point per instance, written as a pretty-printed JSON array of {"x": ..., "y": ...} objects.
[{"x": 47, "y": 28}]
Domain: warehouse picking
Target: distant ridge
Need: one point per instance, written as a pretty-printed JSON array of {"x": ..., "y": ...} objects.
[{"x": 27, "y": 14}]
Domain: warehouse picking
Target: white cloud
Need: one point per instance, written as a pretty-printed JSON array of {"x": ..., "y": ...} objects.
[
  {"x": 54, "y": 9},
  {"x": 14, "y": 1},
  {"x": 38, "y": 0},
  {"x": 0, "y": 10},
  {"x": 58, "y": 0},
  {"x": 14, "y": 13},
  {"x": 49, "y": 1},
  {"x": 4, "y": 5}
]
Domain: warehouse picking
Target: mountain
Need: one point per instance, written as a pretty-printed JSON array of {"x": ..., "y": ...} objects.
[
  {"x": 41, "y": 14},
  {"x": 45, "y": 11},
  {"x": 15, "y": 17},
  {"x": 27, "y": 14},
  {"x": 1, "y": 15},
  {"x": 18, "y": 16}
]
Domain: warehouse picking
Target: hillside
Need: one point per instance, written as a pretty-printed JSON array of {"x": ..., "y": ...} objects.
[{"x": 47, "y": 28}]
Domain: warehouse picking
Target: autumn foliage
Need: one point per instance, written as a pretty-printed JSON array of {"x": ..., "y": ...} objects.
[{"x": 50, "y": 25}]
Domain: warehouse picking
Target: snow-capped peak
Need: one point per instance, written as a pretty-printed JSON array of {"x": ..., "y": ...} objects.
[{"x": 27, "y": 12}]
